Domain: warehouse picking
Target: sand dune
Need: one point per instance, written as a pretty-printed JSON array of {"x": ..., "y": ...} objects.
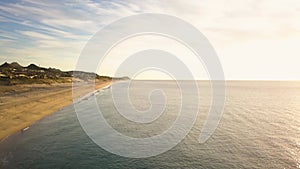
[{"x": 22, "y": 105}]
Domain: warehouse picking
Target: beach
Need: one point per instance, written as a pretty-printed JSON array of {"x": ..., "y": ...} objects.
[{"x": 22, "y": 105}]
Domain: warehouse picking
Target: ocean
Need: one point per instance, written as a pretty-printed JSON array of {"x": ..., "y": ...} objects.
[{"x": 259, "y": 128}]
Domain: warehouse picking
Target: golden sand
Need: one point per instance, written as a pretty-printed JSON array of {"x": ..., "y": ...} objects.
[{"x": 22, "y": 105}]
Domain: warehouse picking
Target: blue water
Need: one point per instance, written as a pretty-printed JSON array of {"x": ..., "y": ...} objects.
[{"x": 260, "y": 128}]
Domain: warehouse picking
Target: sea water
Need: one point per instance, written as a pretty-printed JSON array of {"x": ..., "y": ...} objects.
[{"x": 260, "y": 128}]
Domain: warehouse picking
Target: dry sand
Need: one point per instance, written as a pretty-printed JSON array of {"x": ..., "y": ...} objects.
[{"x": 22, "y": 105}]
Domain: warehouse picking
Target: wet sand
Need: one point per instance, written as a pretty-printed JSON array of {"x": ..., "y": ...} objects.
[{"x": 22, "y": 105}]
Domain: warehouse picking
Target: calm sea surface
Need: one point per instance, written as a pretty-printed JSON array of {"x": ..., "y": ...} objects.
[{"x": 260, "y": 128}]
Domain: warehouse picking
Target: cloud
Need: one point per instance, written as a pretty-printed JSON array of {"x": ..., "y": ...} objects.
[
  {"x": 51, "y": 30},
  {"x": 36, "y": 35},
  {"x": 55, "y": 29}
]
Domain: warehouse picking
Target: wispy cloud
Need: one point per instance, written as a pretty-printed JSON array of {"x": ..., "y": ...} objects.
[{"x": 46, "y": 28}]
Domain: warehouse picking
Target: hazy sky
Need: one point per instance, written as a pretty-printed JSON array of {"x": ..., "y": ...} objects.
[{"x": 254, "y": 39}]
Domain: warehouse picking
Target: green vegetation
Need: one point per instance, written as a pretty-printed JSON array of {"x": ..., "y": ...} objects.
[{"x": 14, "y": 73}]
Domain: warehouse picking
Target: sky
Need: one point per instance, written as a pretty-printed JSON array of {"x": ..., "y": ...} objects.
[{"x": 254, "y": 39}]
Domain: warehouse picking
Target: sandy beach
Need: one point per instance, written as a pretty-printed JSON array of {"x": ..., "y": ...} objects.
[{"x": 22, "y": 105}]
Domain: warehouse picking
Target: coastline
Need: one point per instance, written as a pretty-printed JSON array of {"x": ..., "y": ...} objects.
[{"x": 23, "y": 105}]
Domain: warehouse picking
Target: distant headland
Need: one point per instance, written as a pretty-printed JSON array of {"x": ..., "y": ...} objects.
[{"x": 13, "y": 73}]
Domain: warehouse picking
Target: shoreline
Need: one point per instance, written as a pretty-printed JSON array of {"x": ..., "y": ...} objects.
[{"x": 22, "y": 106}]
